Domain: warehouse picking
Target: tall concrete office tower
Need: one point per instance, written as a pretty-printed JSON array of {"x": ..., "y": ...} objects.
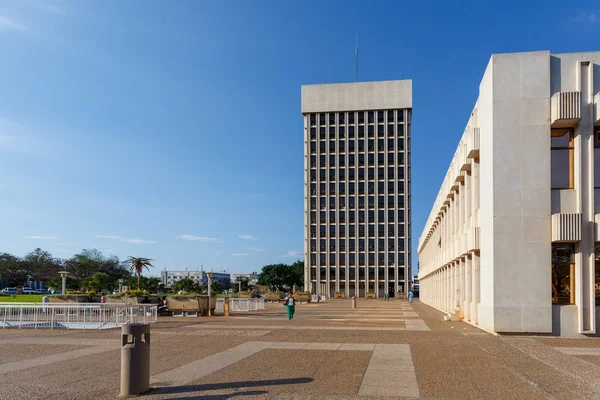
[{"x": 357, "y": 187}]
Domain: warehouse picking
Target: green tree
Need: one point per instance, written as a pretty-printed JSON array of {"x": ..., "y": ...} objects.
[
  {"x": 282, "y": 276},
  {"x": 89, "y": 261},
  {"x": 84, "y": 264},
  {"x": 41, "y": 265},
  {"x": 187, "y": 285},
  {"x": 115, "y": 268},
  {"x": 137, "y": 265},
  {"x": 13, "y": 271},
  {"x": 150, "y": 284},
  {"x": 216, "y": 287},
  {"x": 275, "y": 276},
  {"x": 56, "y": 283},
  {"x": 296, "y": 274},
  {"x": 99, "y": 281}
]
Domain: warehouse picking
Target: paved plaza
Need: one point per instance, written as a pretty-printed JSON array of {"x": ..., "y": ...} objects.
[{"x": 391, "y": 349}]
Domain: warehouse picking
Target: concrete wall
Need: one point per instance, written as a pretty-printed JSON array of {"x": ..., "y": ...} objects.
[
  {"x": 357, "y": 96},
  {"x": 485, "y": 113},
  {"x": 521, "y": 192}
]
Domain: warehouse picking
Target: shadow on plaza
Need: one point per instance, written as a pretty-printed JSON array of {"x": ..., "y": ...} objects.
[{"x": 227, "y": 385}]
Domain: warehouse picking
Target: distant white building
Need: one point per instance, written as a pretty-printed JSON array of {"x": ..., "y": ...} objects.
[
  {"x": 169, "y": 278},
  {"x": 252, "y": 278}
]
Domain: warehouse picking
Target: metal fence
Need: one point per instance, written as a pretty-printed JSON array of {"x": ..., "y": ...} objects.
[
  {"x": 73, "y": 315},
  {"x": 240, "y": 305}
]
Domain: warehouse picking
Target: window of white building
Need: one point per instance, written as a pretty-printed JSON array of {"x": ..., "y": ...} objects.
[
  {"x": 563, "y": 273},
  {"x": 562, "y": 156}
]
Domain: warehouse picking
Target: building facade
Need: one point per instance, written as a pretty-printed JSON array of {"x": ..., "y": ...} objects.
[
  {"x": 252, "y": 278},
  {"x": 168, "y": 278},
  {"x": 357, "y": 219},
  {"x": 511, "y": 242}
]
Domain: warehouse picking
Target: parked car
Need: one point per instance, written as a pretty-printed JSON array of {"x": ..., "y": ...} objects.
[
  {"x": 42, "y": 291},
  {"x": 28, "y": 290},
  {"x": 9, "y": 290}
]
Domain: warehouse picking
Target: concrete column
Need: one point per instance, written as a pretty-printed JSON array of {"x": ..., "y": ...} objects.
[
  {"x": 584, "y": 185},
  {"x": 467, "y": 287}
]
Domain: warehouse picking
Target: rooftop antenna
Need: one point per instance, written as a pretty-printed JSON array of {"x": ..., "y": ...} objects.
[{"x": 356, "y": 50}]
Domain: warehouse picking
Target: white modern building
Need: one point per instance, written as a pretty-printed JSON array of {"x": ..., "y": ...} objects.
[
  {"x": 168, "y": 278},
  {"x": 252, "y": 278},
  {"x": 511, "y": 243},
  {"x": 357, "y": 189}
]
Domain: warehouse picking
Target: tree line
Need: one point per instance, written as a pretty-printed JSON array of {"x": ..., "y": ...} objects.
[
  {"x": 281, "y": 277},
  {"x": 88, "y": 270}
]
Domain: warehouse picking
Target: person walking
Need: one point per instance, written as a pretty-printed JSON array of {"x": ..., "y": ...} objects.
[
  {"x": 103, "y": 298},
  {"x": 410, "y": 296},
  {"x": 290, "y": 304}
]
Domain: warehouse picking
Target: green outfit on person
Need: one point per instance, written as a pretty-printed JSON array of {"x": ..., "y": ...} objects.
[{"x": 290, "y": 304}]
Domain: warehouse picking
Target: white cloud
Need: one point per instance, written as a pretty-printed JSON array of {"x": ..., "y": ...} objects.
[
  {"x": 137, "y": 241},
  {"x": 256, "y": 249},
  {"x": 7, "y": 23},
  {"x": 202, "y": 239},
  {"x": 133, "y": 241},
  {"x": 291, "y": 253},
  {"x": 46, "y": 5},
  {"x": 242, "y": 254},
  {"x": 591, "y": 17},
  {"x": 41, "y": 237},
  {"x": 247, "y": 237}
]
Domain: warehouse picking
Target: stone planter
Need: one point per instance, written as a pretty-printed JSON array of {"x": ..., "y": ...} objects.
[
  {"x": 302, "y": 298},
  {"x": 401, "y": 296},
  {"x": 67, "y": 299},
  {"x": 122, "y": 300},
  {"x": 272, "y": 297},
  {"x": 339, "y": 296},
  {"x": 370, "y": 296},
  {"x": 244, "y": 296},
  {"x": 184, "y": 304}
]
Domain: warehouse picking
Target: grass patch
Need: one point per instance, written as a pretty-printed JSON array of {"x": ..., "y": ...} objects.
[{"x": 22, "y": 298}]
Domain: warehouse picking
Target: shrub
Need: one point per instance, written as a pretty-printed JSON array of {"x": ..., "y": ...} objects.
[
  {"x": 370, "y": 293},
  {"x": 138, "y": 293},
  {"x": 299, "y": 293},
  {"x": 340, "y": 292}
]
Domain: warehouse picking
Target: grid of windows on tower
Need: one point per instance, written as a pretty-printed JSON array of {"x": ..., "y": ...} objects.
[{"x": 357, "y": 190}]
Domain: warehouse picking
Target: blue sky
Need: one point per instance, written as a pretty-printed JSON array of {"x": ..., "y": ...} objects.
[{"x": 172, "y": 130}]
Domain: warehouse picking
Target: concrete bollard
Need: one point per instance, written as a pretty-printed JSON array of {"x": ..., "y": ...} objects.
[
  {"x": 135, "y": 359},
  {"x": 353, "y": 301},
  {"x": 226, "y": 307}
]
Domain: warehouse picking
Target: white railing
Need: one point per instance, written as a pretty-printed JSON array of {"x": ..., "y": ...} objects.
[
  {"x": 74, "y": 315},
  {"x": 245, "y": 305},
  {"x": 220, "y": 307}
]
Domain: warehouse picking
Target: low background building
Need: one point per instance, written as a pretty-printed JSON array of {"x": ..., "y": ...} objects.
[
  {"x": 252, "y": 278},
  {"x": 511, "y": 242},
  {"x": 169, "y": 278}
]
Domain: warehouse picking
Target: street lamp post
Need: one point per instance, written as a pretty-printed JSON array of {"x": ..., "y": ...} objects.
[
  {"x": 63, "y": 275},
  {"x": 209, "y": 276}
]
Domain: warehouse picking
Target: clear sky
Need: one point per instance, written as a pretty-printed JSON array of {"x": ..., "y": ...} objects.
[{"x": 172, "y": 129}]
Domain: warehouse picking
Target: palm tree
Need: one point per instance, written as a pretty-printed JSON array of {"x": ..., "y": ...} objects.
[{"x": 137, "y": 265}]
